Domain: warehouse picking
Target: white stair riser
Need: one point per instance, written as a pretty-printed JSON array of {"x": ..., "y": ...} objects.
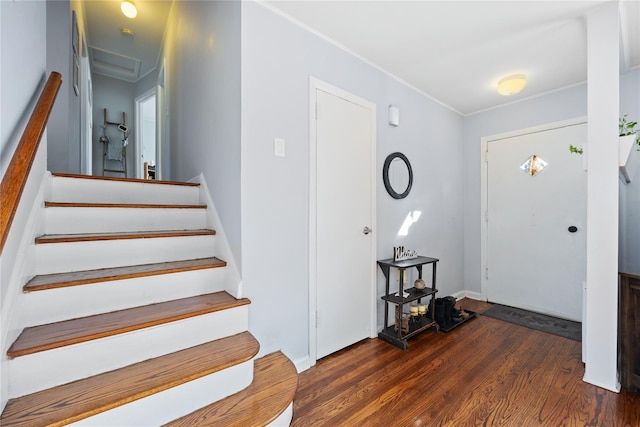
[
  {"x": 80, "y": 190},
  {"x": 31, "y": 373},
  {"x": 110, "y": 220},
  {"x": 160, "y": 408},
  {"x": 78, "y": 256},
  {"x": 54, "y": 305},
  {"x": 284, "y": 420}
]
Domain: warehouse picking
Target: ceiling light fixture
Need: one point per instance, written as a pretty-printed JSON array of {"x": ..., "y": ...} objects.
[
  {"x": 511, "y": 85},
  {"x": 129, "y": 9}
]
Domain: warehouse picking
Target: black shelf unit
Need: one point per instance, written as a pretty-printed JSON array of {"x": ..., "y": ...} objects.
[{"x": 419, "y": 323}]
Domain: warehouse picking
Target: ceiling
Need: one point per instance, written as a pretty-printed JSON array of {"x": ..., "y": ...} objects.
[
  {"x": 456, "y": 51},
  {"x": 452, "y": 51},
  {"x": 125, "y": 57}
]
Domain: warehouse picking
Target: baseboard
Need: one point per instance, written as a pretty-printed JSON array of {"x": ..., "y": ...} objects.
[
  {"x": 468, "y": 294},
  {"x": 303, "y": 363},
  {"x": 611, "y": 387}
]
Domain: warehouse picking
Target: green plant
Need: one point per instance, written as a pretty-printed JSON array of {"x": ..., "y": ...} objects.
[
  {"x": 625, "y": 128},
  {"x": 574, "y": 149},
  {"x": 628, "y": 128}
]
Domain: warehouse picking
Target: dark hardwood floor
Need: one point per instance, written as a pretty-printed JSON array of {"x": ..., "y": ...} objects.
[{"x": 484, "y": 373}]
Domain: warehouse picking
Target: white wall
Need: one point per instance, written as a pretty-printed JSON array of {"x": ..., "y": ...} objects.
[
  {"x": 63, "y": 130},
  {"x": 117, "y": 96},
  {"x": 22, "y": 77},
  {"x": 629, "y": 250},
  {"x": 22, "y": 30},
  {"x": 202, "y": 56},
  {"x": 277, "y": 59},
  {"x": 146, "y": 83}
]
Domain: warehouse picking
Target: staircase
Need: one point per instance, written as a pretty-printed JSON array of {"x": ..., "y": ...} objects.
[{"x": 132, "y": 319}]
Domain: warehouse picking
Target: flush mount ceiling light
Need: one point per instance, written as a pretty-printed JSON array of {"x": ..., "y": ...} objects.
[
  {"x": 511, "y": 85},
  {"x": 128, "y": 9}
]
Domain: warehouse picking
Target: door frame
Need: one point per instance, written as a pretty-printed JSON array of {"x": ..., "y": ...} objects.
[
  {"x": 314, "y": 85},
  {"x": 484, "y": 182},
  {"x": 139, "y": 100}
]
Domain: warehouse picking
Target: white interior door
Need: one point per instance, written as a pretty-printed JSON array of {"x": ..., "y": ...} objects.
[
  {"x": 534, "y": 260},
  {"x": 345, "y": 136}
]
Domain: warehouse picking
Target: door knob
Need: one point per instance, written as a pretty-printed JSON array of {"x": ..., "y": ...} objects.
[
  {"x": 366, "y": 230},
  {"x": 573, "y": 229}
]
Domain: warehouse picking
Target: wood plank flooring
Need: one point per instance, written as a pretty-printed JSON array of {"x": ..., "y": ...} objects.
[
  {"x": 54, "y": 335},
  {"x": 484, "y": 373},
  {"x": 84, "y": 398}
]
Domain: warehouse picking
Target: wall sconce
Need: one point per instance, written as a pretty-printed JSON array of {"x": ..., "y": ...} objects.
[
  {"x": 394, "y": 115},
  {"x": 511, "y": 85},
  {"x": 128, "y": 9}
]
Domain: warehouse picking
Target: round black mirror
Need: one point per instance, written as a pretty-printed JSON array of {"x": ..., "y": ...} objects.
[{"x": 397, "y": 175}]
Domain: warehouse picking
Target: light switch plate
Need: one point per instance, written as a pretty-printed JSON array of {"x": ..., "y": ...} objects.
[{"x": 278, "y": 147}]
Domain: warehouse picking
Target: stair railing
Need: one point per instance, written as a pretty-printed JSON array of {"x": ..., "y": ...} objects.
[{"x": 15, "y": 177}]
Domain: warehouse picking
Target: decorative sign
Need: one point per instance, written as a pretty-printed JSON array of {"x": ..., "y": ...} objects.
[{"x": 400, "y": 253}]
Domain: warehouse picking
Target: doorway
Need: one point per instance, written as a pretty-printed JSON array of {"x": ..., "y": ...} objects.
[
  {"x": 146, "y": 140},
  {"x": 535, "y": 220},
  {"x": 342, "y": 208}
]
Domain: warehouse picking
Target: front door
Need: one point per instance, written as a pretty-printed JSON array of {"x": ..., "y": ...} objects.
[
  {"x": 345, "y": 136},
  {"x": 536, "y": 221}
]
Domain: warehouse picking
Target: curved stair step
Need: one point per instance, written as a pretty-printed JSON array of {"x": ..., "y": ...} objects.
[
  {"x": 61, "y": 280},
  {"x": 54, "y": 335},
  {"x": 83, "y": 398},
  {"x": 275, "y": 381}
]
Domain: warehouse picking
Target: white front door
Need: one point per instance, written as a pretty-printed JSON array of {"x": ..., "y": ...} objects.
[
  {"x": 536, "y": 223},
  {"x": 345, "y": 183}
]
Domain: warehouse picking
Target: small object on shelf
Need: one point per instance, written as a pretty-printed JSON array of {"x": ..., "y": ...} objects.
[
  {"x": 422, "y": 308},
  {"x": 403, "y": 320},
  {"x": 401, "y": 254},
  {"x": 419, "y": 284},
  {"x": 413, "y": 309}
]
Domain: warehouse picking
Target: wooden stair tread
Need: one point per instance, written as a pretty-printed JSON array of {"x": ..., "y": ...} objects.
[
  {"x": 83, "y": 398},
  {"x": 53, "y": 335},
  {"x": 60, "y": 280},
  {"x": 90, "y": 237},
  {"x": 115, "y": 178},
  {"x": 275, "y": 381},
  {"x": 120, "y": 205}
]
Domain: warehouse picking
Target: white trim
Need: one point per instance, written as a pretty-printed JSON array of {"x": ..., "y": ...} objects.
[
  {"x": 484, "y": 182},
  {"x": 350, "y": 52},
  {"x": 315, "y": 85},
  {"x": 137, "y": 170},
  {"x": 303, "y": 363},
  {"x": 467, "y": 294}
]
